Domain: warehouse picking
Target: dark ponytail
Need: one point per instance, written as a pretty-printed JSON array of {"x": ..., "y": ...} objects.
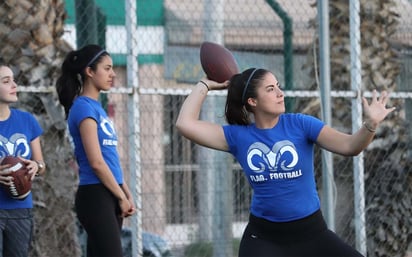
[
  {"x": 241, "y": 87},
  {"x": 70, "y": 83}
]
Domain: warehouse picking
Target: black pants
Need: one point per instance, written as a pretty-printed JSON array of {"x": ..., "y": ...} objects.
[
  {"x": 99, "y": 213},
  {"x": 305, "y": 237}
]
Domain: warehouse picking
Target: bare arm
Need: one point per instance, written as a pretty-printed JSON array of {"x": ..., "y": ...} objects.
[
  {"x": 201, "y": 132},
  {"x": 342, "y": 143},
  {"x": 37, "y": 155},
  {"x": 351, "y": 145},
  {"x": 88, "y": 132}
]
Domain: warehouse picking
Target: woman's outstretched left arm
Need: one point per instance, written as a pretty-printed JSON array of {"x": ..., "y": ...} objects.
[{"x": 351, "y": 145}]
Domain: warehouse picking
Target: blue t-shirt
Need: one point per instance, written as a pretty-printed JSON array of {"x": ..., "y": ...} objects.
[
  {"x": 16, "y": 134},
  {"x": 83, "y": 108},
  {"x": 278, "y": 164}
]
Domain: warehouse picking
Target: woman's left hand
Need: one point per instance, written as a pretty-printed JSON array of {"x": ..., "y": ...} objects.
[
  {"x": 376, "y": 111},
  {"x": 132, "y": 209},
  {"x": 32, "y": 166}
]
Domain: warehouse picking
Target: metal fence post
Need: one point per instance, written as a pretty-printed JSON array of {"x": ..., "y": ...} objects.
[
  {"x": 328, "y": 199},
  {"x": 358, "y": 169},
  {"x": 134, "y": 126}
]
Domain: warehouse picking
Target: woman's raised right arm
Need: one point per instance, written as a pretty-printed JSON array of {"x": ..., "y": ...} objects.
[{"x": 204, "y": 133}]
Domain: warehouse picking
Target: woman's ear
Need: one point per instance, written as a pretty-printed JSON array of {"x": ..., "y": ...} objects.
[
  {"x": 89, "y": 72},
  {"x": 251, "y": 101}
]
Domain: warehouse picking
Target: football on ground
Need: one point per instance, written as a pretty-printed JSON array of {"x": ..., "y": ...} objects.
[{"x": 217, "y": 62}]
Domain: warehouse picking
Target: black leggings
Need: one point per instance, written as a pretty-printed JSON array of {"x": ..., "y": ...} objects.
[
  {"x": 99, "y": 213},
  {"x": 305, "y": 237}
]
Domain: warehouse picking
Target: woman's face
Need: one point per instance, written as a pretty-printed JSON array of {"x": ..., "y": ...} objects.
[
  {"x": 270, "y": 97},
  {"x": 103, "y": 77},
  {"x": 8, "y": 87}
]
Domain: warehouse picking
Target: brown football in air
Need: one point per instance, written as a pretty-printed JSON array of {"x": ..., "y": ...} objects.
[{"x": 217, "y": 62}]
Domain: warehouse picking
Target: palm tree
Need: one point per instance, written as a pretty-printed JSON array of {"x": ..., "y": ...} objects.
[{"x": 30, "y": 32}]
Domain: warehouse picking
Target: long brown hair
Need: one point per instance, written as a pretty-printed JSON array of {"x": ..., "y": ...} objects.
[{"x": 241, "y": 87}]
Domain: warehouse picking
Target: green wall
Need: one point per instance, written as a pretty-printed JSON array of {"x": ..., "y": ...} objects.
[{"x": 149, "y": 12}]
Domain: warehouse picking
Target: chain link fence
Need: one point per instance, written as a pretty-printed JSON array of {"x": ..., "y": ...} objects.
[{"x": 194, "y": 199}]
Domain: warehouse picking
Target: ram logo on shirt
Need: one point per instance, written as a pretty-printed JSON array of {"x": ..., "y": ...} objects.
[
  {"x": 16, "y": 145},
  {"x": 260, "y": 157},
  {"x": 109, "y": 131}
]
